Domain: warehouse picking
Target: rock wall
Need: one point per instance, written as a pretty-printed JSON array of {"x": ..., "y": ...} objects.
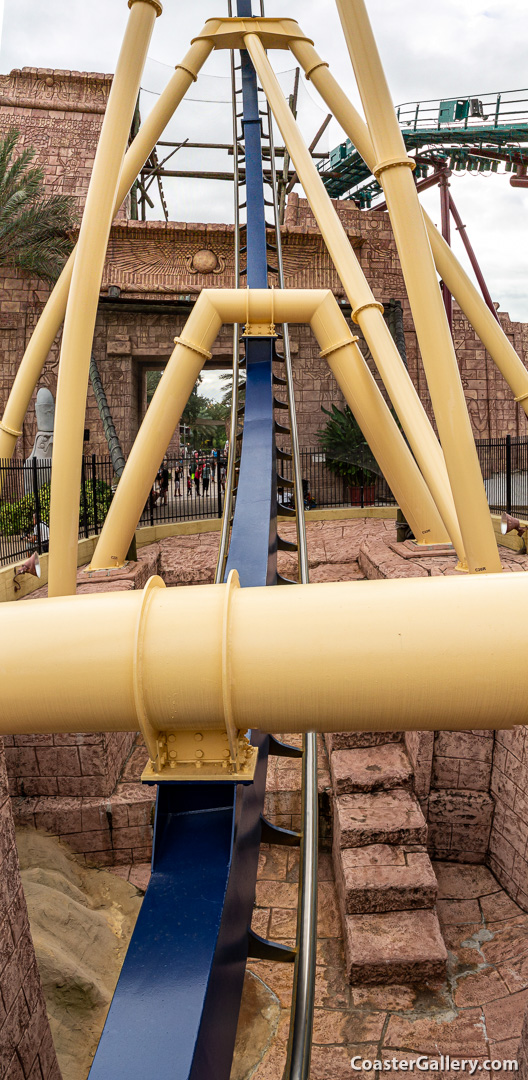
[
  {"x": 509, "y": 833},
  {"x": 26, "y": 1048},
  {"x": 460, "y": 807}
]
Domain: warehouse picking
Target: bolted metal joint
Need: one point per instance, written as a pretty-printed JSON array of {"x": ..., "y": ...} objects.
[{"x": 201, "y": 755}]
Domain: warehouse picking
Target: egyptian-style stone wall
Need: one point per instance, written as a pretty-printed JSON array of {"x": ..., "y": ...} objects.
[
  {"x": 26, "y": 1048},
  {"x": 460, "y": 808},
  {"x": 60, "y": 114},
  {"x": 70, "y": 765},
  {"x": 509, "y": 834}
]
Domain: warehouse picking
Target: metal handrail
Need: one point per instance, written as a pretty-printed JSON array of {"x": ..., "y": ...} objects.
[
  {"x": 230, "y": 469},
  {"x": 303, "y": 996}
]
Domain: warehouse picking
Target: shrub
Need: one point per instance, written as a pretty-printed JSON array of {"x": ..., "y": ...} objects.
[{"x": 16, "y": 518}]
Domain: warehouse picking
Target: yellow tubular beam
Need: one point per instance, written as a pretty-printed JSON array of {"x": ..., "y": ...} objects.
[
  {"x": 374, "y": 418},
  {"x": 157, "y": 429},
  {"x": 458, "y": 668},
  {"x": 84, "y": 297},
  {"x": 459, "y": 284},
  {"x": 478, "y": 314},
  {"x": 213, "y": 308},
  {"x": 432, "y": 330},
  {"x": 52, "y": 316},
  {"x": 410, "y": 411}
]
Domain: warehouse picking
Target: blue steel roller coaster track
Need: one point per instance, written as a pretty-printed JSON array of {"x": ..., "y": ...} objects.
[{"x": 175, "y": 1009}]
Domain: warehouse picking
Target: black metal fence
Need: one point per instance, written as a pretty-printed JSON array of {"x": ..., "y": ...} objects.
[
  {"x": 504, "y": 464},
  {"x": 193, "y": 487},
  {"x": 324, "y": 487}
]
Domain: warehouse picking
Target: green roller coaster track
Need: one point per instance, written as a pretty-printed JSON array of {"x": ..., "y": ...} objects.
[{"x": 473, "y": 133}]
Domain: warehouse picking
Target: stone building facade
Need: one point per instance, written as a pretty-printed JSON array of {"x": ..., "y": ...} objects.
[{"x": 154, "y": 271}]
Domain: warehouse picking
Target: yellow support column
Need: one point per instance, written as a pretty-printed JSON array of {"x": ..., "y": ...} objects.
[
  {"x": 84, "y": 297},
  {"x": 436, "y": 346},
  {"x": 344, "y": 357},
  {"x": 50, "y": 321},
  {"x": 367, "y": 312},
  {"x": 213, "y": 308},
  {"x": 157, "y": 429},
  {"x": 479, "y": 315},
  {"x": 459, "y": 284}
]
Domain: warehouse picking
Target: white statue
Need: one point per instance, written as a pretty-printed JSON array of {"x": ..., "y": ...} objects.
[{"x": 43, "y": 445}]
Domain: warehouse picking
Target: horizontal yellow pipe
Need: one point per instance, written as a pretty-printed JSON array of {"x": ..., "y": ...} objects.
[
  {"x": 215, "y": 307},
  {"x": 51, "y": 319},
  {"x": 434, "y": 654}
]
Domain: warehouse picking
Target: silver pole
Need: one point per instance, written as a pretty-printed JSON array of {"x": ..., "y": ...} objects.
[
  {"x": 230, "y": 471},
  {"x": 301, "y": 1023}
]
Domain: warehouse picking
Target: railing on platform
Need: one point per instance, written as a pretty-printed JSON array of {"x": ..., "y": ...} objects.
[{"x": 24, "y": 499}]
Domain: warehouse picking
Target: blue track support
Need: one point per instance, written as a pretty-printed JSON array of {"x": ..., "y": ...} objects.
[
  {"x": 257, "y": 262},
  {"x": 253, "y": 547},
  {"x": 175, "y": 1009}
]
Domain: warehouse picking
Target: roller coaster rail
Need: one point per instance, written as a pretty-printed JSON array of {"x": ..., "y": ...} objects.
[{"x": 473, "y": 132}]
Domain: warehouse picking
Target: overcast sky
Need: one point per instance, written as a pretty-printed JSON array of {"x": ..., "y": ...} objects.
[{"x": 429, "y": 50}]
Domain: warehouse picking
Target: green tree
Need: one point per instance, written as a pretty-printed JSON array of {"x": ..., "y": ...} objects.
[
  {"x": 35, "y": 228},
  {"x": 347, "y": 451},
  {"x": 227, "y": 378}
]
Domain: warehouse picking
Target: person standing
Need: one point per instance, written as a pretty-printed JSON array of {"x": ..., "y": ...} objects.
[
  {"x": 206, "y": 476},
  {"x": 164, "y": 482},
  {"x": 177, "y": 478},
  {"x": 197, "y": 475},
  {"x": 40, "y": 535}
]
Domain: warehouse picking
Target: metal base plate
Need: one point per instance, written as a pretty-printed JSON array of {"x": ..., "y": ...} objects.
[{"x": 207, "y": 772}]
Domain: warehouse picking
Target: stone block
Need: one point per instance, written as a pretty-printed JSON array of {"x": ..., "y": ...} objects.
[
  {"x": 350, "y": 740},
  {"x": 392, "y": 817},
  {"x": 394, "y": 947},
  {"x": 460, "y": 808},
  {"x": 370, "y": 768},
  {"x": 384, "y": 878}
]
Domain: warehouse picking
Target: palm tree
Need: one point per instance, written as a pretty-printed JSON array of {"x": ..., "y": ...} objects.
[{"x": 35, "y": 228}]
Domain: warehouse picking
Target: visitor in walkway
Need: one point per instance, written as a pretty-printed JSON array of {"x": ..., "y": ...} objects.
[
  {"x": 163, "y": 482},
  {"x": 40, "y": 535},
  {"x": 177, "y": 478},
  {"x": 206, "y": 476},
  {"x": 197, "y": 475}
]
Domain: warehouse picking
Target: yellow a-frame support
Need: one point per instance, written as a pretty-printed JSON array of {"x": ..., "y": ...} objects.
[{"x": 439, "y": 487}]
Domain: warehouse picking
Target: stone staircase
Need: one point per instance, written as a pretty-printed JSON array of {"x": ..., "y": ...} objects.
[{"x": 384, "y": 877}]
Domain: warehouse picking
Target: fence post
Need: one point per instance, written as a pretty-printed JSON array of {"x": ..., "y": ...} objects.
[
  {"x": 94, "y": 493},
  {"x": 508, "y": 475},
  {"x": 36, "y": 499},
  {"x": 84, "y": 502},
  {"x": 219, "y": 464}
]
